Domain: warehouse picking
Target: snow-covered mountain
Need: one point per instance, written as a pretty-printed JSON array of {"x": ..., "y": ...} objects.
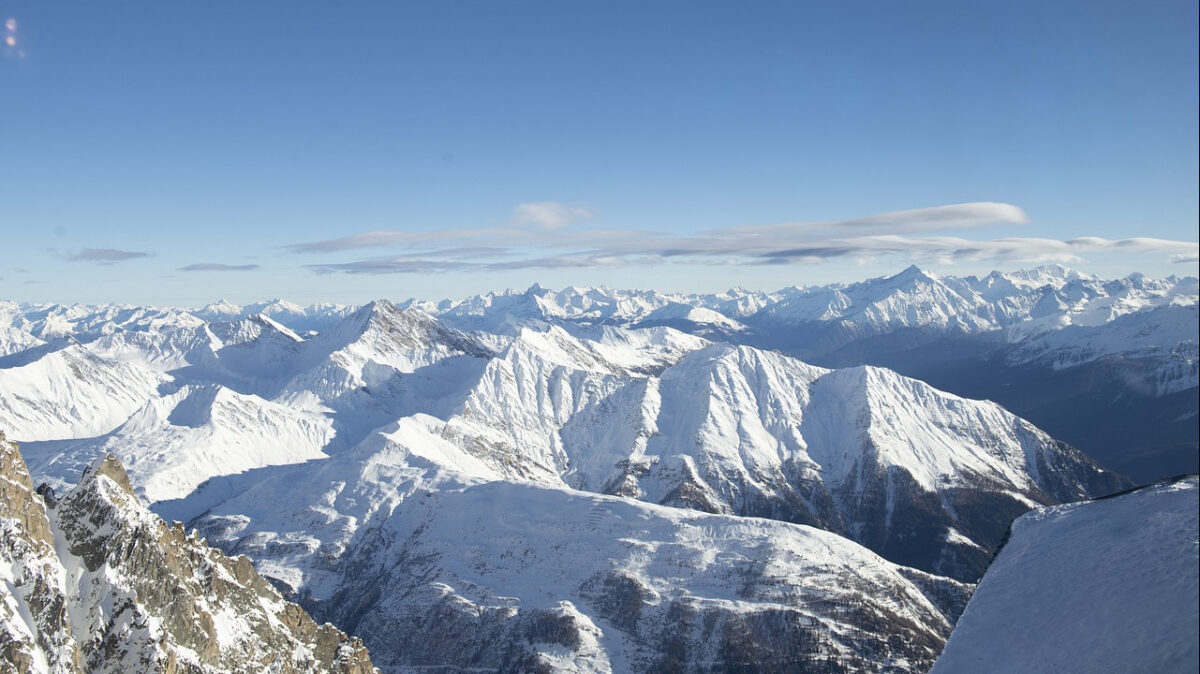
[
  {"x": 434, "y": 569},
  {"x": 810, "y": 321},
  {"x": 94, "y": 582},
  {"x": 64, "y": 390},
  {"x": 585, "y": 447},
  {"x": 1118, "y": 357},
  {"x": 1104, "y": 586},
  {"x": 176, "y": 441},
  {"x": 820, "y": 319},
  {"x": 1165, "y": 335}
]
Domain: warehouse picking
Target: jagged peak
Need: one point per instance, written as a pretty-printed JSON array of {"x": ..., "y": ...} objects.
[
  {"x": 382, "y": 309},
  {"x": 108, "y": 466}
]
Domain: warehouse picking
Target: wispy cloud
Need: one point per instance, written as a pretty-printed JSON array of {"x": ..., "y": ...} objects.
[
  {"x": 548, "y": 215},
  {"x": 905, "y": 234},
  {"x": 1185, "y": 258},
  {"x": 530, "y": 222},
  {"x": 217, "y": 266},
  {"x": 950, "y": 250},
  {"x": 388, "y": 237},
  {"x": 391, "y": 265},
  {"x": 410, "y": 265},
  {"x": 105, "y": 255},
  {"x": 936, "y": 218}
]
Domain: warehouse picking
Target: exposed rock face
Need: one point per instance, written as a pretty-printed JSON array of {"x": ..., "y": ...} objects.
[
  {"x": 35, "y": 626},
  {"x": 100, "y": 584}
]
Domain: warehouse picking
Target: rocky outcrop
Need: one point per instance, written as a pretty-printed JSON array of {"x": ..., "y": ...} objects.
[
  {"x": 35, "y": 625},
  {"x": 98, "y": 583}
]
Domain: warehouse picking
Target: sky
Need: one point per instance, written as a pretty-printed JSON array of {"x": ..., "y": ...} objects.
[{"x": 175, "y": 153}]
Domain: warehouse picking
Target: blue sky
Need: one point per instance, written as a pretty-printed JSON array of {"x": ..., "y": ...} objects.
[{"x": 178, "y": 152}]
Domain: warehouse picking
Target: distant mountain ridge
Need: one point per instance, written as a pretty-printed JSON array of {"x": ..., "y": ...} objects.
[{"x": 1121, "y": 357}]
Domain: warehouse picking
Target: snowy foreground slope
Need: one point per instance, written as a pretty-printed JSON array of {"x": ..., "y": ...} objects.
[
  {"x": 1111, "y": 585},
  {"x": 96, "y": 583}
]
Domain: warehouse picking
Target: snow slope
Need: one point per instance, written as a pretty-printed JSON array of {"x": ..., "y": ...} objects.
[
  {"x": 1101, "y": 586},
  {"x": 177, "y": 441},
  {"x": 435, "y": 569},
  {"x": 63, "y": 390}
]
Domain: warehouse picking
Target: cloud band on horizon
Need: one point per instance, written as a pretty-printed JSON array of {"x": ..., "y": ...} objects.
[{"x": 861, "y": 239}]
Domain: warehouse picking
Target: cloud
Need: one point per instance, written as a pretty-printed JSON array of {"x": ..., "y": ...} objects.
[
  {"x": 530, "y": 222},
  {"x": 390, "y": 265},
  {"x": 909, "y": 235},
  {"x": 548, "y": 215},
  {"x": 924, "y": 250},
  {"x": 217, "y": 266},
  {"x": 1184, "y": 258},
  {"x": 936, "y": 218},
  {"x": 387, "y": 237},
  {"x": 105, "y": 255},
  {"x": 409, "y": 265},
  {"x": 461, "y": 252},
  {"x": 950, "y": 250}
]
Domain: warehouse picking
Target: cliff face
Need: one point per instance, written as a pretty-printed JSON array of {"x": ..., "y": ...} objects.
[
  {"x": 95, "y": 582},
  {"x": 35, "y": 625}
]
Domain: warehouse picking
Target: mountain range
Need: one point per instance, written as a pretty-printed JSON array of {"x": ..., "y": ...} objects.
[{"x": 591, "y": 479}]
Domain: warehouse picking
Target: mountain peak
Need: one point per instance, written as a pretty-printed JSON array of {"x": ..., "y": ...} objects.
[
  {"x": 108, "y": 466},
  {"x": 912, "y": 273}
]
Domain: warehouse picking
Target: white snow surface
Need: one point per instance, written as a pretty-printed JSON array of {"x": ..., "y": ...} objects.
[
  {"x": 174, "y": 443},
  {"x": 1102, "y": 586}
]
